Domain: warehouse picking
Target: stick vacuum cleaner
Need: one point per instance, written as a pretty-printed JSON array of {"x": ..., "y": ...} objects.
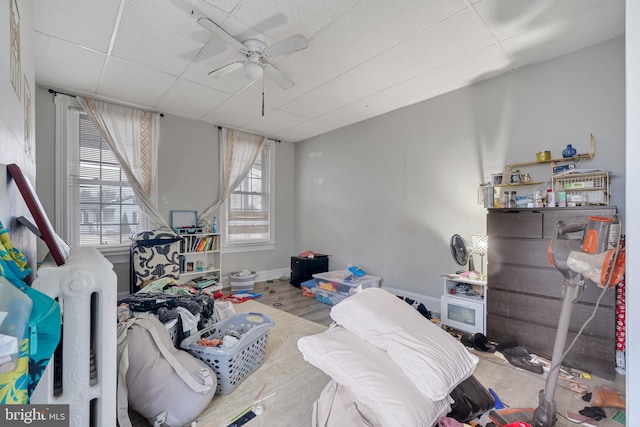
[{"x": 590, "y": 258}]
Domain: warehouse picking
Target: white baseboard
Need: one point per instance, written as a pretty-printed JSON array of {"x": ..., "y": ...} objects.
[
  {"x": 432, "y": 304},
  {"x": 273, "y": 274},
  {"x": 262, "y": 276}
]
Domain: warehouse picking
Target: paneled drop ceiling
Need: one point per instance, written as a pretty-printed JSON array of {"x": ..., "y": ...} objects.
[{"x": 364, "y": 58}]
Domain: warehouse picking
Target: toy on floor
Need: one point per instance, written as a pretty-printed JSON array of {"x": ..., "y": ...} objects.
[
  {"x": 498, "y": 402},
  {"x": 240, "y": 296},
  {"x": 356, "y": 274}
]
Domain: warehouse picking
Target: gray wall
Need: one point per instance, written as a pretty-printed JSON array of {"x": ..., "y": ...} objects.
[
  {"x": 387, "y": 194},
  {"x": 188, "y": 175}
]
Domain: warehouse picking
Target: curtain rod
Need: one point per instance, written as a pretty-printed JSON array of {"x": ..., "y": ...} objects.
[
  {"x": 274, "y": 140},
  {"x": 75, "y": 96}
]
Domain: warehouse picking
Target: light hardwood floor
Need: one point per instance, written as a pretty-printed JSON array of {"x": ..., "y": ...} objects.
[{"x": 282, "y": 295}]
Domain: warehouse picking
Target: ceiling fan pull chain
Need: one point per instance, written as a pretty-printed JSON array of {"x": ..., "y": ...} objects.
[{"x": 262, "y": 97}]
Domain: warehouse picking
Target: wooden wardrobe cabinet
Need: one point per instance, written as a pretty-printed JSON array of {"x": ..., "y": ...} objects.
[{"x": 526, "y": 291}]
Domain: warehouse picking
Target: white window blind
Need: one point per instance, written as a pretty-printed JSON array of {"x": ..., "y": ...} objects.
[
  {"x": 101, "y": 208},
  {"x": 249, "y": 213},
  {"x": 107, "y": 207}
]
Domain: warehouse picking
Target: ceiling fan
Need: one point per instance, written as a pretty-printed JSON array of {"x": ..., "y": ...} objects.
[{"x": 256, "y": 52}]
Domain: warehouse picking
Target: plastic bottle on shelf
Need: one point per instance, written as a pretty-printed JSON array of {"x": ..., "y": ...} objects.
[
  {"x": 537, "y": 199},
  {"x": 214, "y": 225},
  {"x": 551, "y": 198},
  {"x": 562, "y": 199}
]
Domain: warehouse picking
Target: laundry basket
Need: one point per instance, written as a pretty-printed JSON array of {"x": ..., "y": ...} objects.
[{"x": 233, "y": 365}]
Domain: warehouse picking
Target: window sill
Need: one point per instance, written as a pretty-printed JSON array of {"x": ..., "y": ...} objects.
[
  {"x": 116, "y": 254},
  {"x": 248, "y": 247}
]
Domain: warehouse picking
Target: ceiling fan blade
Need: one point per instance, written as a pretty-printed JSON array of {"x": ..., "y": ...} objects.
[
  {"x": 208, "y": 24},
  {"x": 290, "y": 44},
  {"x": 278, "y": 76},
  {"x": 226, "y": 69}
]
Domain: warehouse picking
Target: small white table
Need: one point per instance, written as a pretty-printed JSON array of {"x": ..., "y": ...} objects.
[{"x": 465, "y": 312}]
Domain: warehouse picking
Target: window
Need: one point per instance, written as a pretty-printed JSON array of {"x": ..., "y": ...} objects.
[
  {"x": 98, "y": 206},
  {"x": 249, "y": 209}
]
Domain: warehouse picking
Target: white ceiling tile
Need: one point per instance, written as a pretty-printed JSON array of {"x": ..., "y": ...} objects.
[
  {"x": 306, "y": 70},
  {"x": 64, "y": 65},
  {"x": 189, "y": 99},
  {"x": 453, "y": 38},
  {"x": 566, "y": 35},
  {"x": 463, "y": 72},
  {"x": 508, "y": 19},
  {"x": 282, "y": 18},
  {"x": 159, "y": 35},
  {"x": 235, "y": 112},
  {"x": 337, "y": 93},
  {"x": 161, "y": 57},
  {"x": 363, "y": 109},
  {"x": 225, "y": 5},
  {"x": 85, "y": 23},
  {"x": 374, "y": 26},
  {"x": 377, "y": 25},
  {"x": 273, "y": 122},
  {"x": 304, "y": 130},
  {"x": 133, "y": 83}
]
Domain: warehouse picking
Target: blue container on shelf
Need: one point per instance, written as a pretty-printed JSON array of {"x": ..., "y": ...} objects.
[{"x": 569, "y": 151}]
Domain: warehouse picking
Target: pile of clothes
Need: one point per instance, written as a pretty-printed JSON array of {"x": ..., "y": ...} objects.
[{"x": 171, "y": 304}]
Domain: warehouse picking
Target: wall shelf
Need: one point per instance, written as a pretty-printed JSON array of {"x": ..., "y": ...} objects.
[
  {"x": 508, "y": 169},
  {"x": 554, "y": 162},
  {"x": 519, "y": 184}
]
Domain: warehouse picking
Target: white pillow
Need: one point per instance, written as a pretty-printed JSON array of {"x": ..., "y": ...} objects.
[
  {"x": 434, "y": 360},
  {"x": 381, "y": 391}
]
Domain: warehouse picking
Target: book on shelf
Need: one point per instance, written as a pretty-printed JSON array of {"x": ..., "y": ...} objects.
[
  {"x": 194, "y": 243},
  {"x": 203, "y": 282},
  {"x": 198, "y": 244},
  {"x": 211, "y": 243}
]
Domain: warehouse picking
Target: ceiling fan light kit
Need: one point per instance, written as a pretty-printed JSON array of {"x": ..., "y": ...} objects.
[
  {"x": 253, "y": 70},
  {"x": 255, "y": 52}
]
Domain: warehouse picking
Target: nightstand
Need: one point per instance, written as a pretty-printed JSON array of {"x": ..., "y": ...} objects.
[{"x": 464, "y": 311}]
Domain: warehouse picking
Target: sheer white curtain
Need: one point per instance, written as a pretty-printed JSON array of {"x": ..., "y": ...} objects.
[
  {"x": 240, "y": 152},
  {"x": 133, "y": 137}
]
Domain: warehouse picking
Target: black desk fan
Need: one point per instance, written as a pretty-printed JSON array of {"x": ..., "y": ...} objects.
[{"x": 461, "y": 252}]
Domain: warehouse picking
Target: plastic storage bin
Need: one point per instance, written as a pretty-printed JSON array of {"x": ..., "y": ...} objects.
[
  {"x": 328, "y": 297},
  {"x": 332, "y": 286},
  {"x": 334, "y": 281},
  {"x": 233, "y": 365},
  {"x": 309, "y": 288}
]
